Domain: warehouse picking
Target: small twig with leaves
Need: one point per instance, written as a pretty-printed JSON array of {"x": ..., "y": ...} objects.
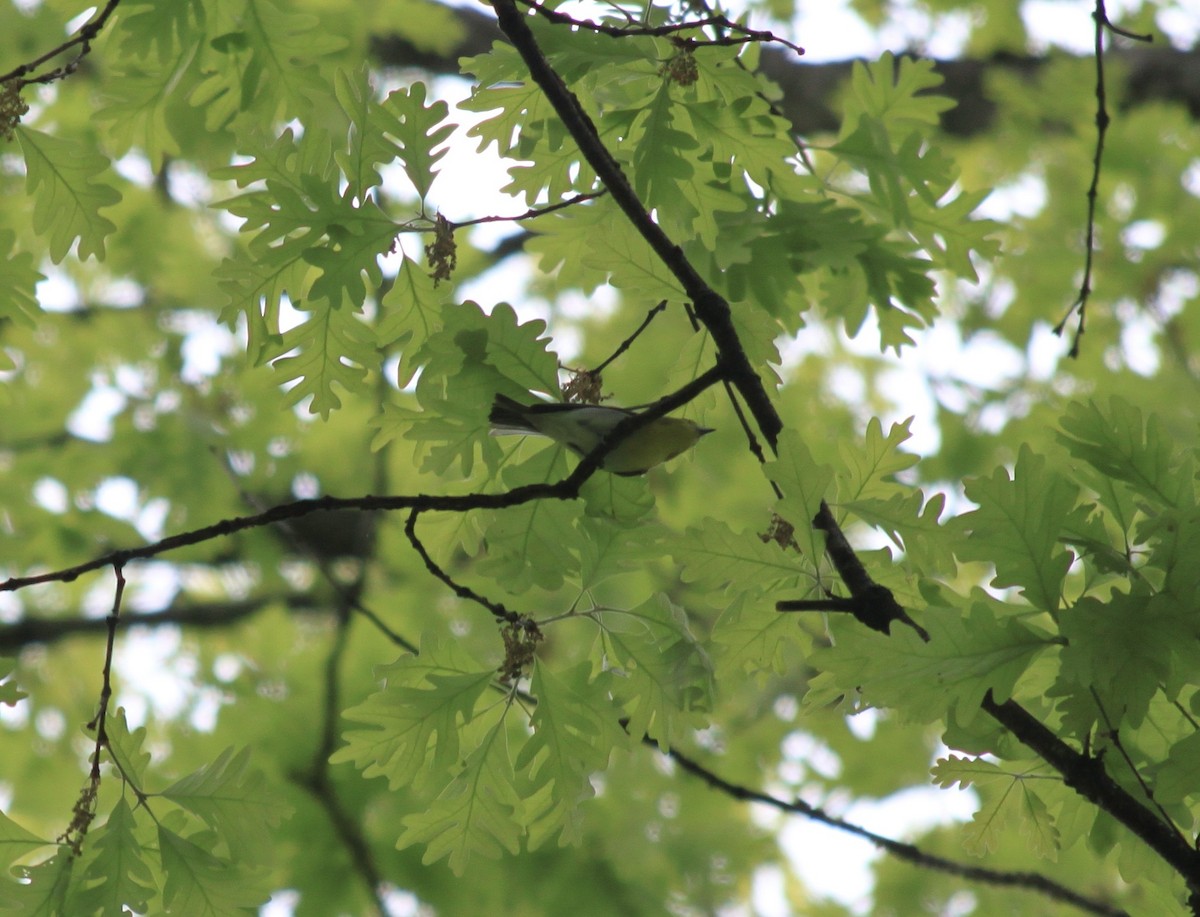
[
  {"x": 442, "y": 252},
  {"x": 85, "y": 806},
  {"x": 1114, "y": 737},
  {"x": 737, "y": 34},
  {"x": 1102, "y": 22},
  {"x": 533, "y": 212},
  {"x": 498, "y": 610},
  {"x": 520, "y": 632},
  {"x": 83, "y": 38}
]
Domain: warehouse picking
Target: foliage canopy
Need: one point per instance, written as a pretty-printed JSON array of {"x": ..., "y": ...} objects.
[{"x": 357, "y": 648}]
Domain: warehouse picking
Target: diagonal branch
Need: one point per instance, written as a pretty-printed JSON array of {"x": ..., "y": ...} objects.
[
  {"x": 910, "y": 853},
  {"x": 711, "y": 308}
]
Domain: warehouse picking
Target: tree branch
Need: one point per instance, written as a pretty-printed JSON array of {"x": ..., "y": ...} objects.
[
  {"x": 32, "y": 631},
  {"x": 566, "y": 489},
  {"x": 1029, "y": 881},
  {"x": 711, "y": 308},
  {"x": 83, "y": 38},
  {"x": 1086, "y": 775}
]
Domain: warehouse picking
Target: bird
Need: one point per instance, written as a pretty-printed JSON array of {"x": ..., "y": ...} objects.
[{"x": 582, "y": 427}]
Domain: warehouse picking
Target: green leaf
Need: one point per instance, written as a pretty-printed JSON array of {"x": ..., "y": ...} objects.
[
  {"x": 234, "y": 800},
  {"x": 264, "y": 68},
  {"x": 357, "y": 236},
  {"x": 416, "y": 719},
  {"x": 716, "y": 557},
  {"x": 420, "y": 129},
  {"x": 896, "y": 95},
  {"x": 1007, "y": 795},
  {"x": 662, "y": 676},
  {"x": 477, "y": 812},
  {"x": 142, "y": 98},
  {"x": 199, "y": 884},
  {"x": 966, "y": 656},
  {"x": 595, "y": 244},
  {"x": 44, "y": 888},
  {"x": 575, "y": 730},
  {"x": 464, "y": 364},
  {"x": 400, "y": 127},
  {"x": 332, "y": 350},
  {"x": 18, "y": 279},
  {"x": 15, "y": 841},
  {"x": 119, "y": 876},
  {"x": 661, "y": 152},
  {"x": 573, "y": 735},
  {"x": 1017, "y": 527},
  {"x": 804, "y": 483},
  {"x": 1178, "y": 776},
  {"x": 411, "y": 312},
  {"x": 753, "y": 636},
  {"x": 531, "y": 543},
  {"x": 613, "y": 548},
  {"x": 297, "y": 213},
  {"x": 748, "y": 135},
  {"x": 1147, "y": 632},
  {"x": 1118, "y": 443},
  {"x": 64, "y": 179},
  {"x": 126, "y": 747},
  {"x": 868, "y": 468}
]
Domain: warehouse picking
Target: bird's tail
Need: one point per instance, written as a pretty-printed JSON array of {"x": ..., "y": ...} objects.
[{"x": 508, "y": 416}]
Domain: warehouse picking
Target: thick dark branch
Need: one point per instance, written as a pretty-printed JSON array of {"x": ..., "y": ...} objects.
[
  {"x": 710, "y": 307},
  {"x": 810, "y": 90},
  {"x": 1086, "y": 775}
]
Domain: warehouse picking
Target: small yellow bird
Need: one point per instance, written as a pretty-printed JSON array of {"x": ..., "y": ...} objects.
[{"x": 581, "y": 428}]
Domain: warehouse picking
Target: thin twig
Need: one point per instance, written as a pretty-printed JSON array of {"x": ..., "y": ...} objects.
[
  {"x": 1115, "y": 738},
  {"x": 83, "y": 37},
  {"x": 742, "y": 34},
  {"x": 84, "y": 810},
  {"x": 532, "y": 212},
  {"x": 463, "y": 592},
  {"x": 1102, "y": 22},
  {"x": 628, "y": 342}
]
